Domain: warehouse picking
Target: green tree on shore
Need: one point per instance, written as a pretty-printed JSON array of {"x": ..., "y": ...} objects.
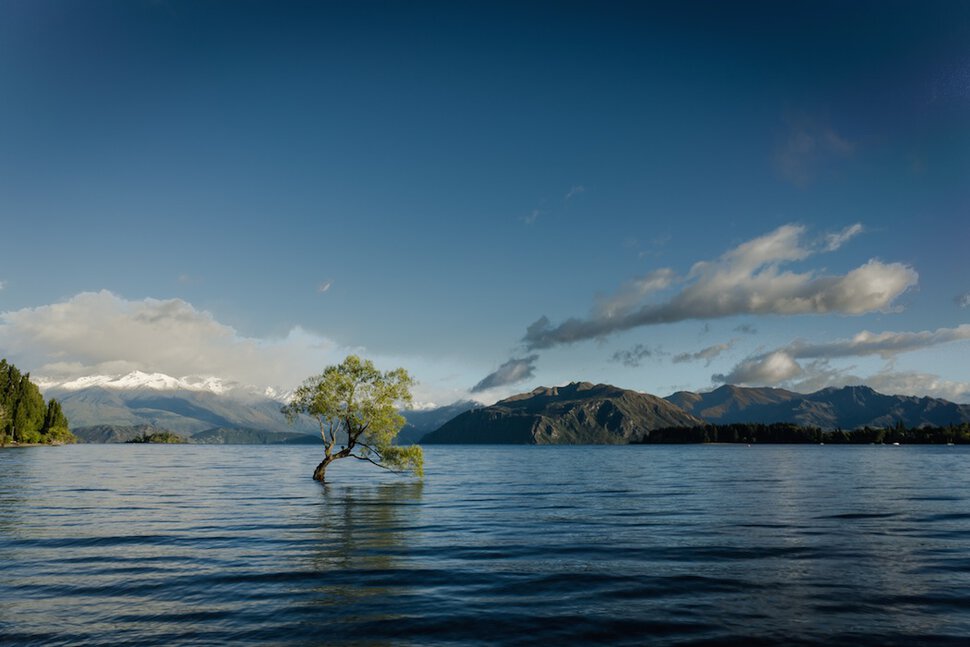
[
  {"x": 360, "y": 403},
  {"x": 24, "y": 418}
]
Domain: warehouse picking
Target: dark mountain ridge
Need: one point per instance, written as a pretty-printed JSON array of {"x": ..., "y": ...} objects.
[
  {"x": 847, "y": 407},
  {"x": 578, "y": 413}
]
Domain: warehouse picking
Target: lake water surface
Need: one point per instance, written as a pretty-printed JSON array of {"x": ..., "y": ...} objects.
[{"x": 652, "y": 545}]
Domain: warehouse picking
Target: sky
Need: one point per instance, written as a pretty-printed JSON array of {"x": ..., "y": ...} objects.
[{"x": 493, "y": 195}]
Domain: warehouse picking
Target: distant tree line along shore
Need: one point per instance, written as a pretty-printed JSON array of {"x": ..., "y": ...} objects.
[
  {"x": 24, "y": 417},
  {"x": 795, "y": 434}
]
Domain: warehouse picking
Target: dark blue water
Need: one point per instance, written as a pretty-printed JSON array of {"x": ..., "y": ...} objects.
[{"x": 655, "y": 545}]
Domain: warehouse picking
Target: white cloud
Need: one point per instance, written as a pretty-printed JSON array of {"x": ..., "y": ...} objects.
[
  {"x": 708, "y": 354},
  {"x": 768, "y": 369},
  {"x": 963, "y": 300},
  {"x": 920, "y": 384},
  {"x": 323, "y": 287},
  {"x": 100, "y": 333},
  {"x": 781, "y": 366},
  {"x": 513, "y": 371},
  {"x": 748, "y": 279},
  {"x": 574, "y": 191},
  {"x": 3, "y": 284},
  {"x": 885, "y": 344},
  {"x": 836, "y": 240},
  {"x": 633, "y": 292},
  {"x": 103, "y": 334}
]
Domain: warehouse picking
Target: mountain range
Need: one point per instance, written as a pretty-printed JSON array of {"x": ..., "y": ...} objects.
[
  {"x": 113, "y": 409},
  {"x": 578, "y": 413},
  {"x": 185, "y": 406},
  {"x": 848, "y": 407}
]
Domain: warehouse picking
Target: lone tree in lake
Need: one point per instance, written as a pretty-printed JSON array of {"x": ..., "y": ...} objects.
[{"x": 356, "y": 399}]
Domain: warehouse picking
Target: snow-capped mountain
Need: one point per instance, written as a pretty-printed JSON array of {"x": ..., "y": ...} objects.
[
  {"x": 162, "y": 382},
  {"x": 184, "y": 405},
  {"x": 141, "y": 380}
]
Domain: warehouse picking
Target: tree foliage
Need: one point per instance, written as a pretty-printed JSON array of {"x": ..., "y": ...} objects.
[
  {"x": 24, "y": 418},
  {"x": 359, "y": 405}
]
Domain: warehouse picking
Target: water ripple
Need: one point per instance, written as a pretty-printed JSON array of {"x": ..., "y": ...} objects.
[{"x": 687, "y": 545}]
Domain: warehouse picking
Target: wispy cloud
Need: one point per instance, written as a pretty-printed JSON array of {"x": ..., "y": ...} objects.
[
  {"x": 574, "y": 191},
  {"x": 707, "y": 354},
  {"x": 324, "y": 287},
  {"x": 3, "y": 284},
  {"x": 781, "y": 364},
  {"x": 806, "y": 147},
  {"x": 513, "y": 371},
  {"x": 632, "y": 293},
  {"x": 748, "y": 279},
  {"x": 963, "y": 300},
  {"x": 836, "y": 240},
  {"x": 634, "y": 357},
  {"x": 746, "y": 329},
  {"x": 532, "y": 217}
]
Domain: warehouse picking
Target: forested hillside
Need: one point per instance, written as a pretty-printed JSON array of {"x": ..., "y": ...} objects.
[{"x": 24, "y": 417}]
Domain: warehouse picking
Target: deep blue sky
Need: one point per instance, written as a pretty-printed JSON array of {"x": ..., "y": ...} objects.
[{"x": 455, "y": 171}]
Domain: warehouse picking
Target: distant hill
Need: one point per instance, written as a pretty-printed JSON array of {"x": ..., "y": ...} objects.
[
  {"x": 421, "y": 423},
  {"x": 214, "y": 436},
  {"x": 848, "y": 407},
  {"x": 729, "y": 403},
  {"x": 579, "y": 413},
  {"x": 170, "y": 406}
]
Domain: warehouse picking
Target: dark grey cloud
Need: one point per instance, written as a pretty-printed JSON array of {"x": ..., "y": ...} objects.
[
  {"x": 708, "y": 354},
  {"x": 745, "y": 280},
  {"x": 512, "y": 371},
  {"x": 633, "y": 357},
  {"x": 747, "y": 329}
]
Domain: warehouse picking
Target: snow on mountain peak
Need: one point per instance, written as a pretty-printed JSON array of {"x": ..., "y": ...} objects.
[{"x": 142, "y": 380}]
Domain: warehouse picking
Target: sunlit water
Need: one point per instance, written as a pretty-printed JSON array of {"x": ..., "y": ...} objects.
[{"x": 169, "y": 545}]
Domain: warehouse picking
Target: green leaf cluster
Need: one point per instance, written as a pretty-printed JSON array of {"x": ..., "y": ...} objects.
[
  {"x": 358, "y": 404},
  {"x": 24, "y": 417}
]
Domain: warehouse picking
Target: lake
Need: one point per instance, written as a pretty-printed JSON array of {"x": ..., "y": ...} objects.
[{"x": 641, "y": 545}]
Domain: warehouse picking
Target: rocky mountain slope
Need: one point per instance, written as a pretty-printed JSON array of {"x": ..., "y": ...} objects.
[
  {"x": 579, "y": 413},
  {"x": 848, "y": 407}
]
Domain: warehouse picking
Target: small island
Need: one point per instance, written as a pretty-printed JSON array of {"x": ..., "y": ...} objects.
[{"x": 158, "y": 438}]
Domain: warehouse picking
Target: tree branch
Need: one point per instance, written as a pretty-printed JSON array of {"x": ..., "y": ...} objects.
[
  {"x": 383, "y": 467},
  {"x": 369, "y": 448}
]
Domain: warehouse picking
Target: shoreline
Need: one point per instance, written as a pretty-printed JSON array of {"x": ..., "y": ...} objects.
[{"x": 16, "y": 445}]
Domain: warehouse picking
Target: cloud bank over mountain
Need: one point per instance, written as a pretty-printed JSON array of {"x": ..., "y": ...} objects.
[
  {"x": 787, "y": 365},
  {"x": 101, "y": 333}
]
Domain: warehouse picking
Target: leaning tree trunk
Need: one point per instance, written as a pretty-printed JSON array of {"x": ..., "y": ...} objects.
[{"x": 321, "y": 469}]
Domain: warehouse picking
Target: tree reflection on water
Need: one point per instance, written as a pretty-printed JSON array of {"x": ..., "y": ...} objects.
[{"x": 364, "y": 537}]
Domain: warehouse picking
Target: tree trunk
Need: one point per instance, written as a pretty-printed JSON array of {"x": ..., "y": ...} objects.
[{"x": 321, "y": 469}]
